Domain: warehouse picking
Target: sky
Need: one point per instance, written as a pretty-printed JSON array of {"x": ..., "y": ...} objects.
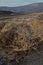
[{"x": 14, "y": 3}]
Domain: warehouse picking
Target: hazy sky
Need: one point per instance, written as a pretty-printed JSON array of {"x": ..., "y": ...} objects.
[{"x": 14, "y": 3}]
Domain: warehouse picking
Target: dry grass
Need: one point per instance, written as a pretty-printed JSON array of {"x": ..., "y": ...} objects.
[{"x": 20, "y": 37}]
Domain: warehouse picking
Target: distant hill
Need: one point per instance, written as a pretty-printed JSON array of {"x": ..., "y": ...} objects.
[
  {"x": 5, "y": 13},
  {"x": 31, "y": 8}
]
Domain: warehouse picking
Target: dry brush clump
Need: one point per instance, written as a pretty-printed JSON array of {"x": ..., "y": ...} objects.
[{"x": 16, "y": 40}]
